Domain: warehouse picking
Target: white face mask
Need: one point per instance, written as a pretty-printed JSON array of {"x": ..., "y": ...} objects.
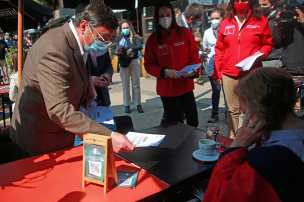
[
  {"x": 215, "y": 23},
  {"x": 165, "y": 22}
]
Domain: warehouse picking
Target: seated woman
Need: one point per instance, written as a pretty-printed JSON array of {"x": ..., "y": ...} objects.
[{"x": 274, "y": 169}]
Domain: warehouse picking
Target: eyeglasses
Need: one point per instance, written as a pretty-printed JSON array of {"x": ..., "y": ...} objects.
[{"x": 103, "y": 41}]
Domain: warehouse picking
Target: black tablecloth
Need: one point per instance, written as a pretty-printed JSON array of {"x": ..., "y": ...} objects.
[{"x": 172, "y": 160}]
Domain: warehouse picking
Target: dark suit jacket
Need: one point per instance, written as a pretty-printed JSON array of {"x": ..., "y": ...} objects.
[
  {"x": 103, "y": 65},
  {"x": 54, "y": 85}
]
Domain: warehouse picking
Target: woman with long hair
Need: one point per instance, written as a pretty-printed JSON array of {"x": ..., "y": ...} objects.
[
  {"x": 168, "y": 50},
  {"x": 243, "y": 33},
  {"x": 129, "y": 45}
]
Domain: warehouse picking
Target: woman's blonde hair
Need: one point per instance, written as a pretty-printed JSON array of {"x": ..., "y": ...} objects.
[
  {"x": 269, "y": 94},
  {"x": 132, "y": 32}
]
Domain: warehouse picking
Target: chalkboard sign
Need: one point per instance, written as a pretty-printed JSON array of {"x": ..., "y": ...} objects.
[{"x": 98, "y": 160}]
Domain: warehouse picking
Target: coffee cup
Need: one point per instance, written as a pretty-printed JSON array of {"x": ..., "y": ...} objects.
[{"x": 207, "y": 146}]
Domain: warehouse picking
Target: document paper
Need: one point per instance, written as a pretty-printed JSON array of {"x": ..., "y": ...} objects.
[
  {"x": 100, "y": 114},
  {"x": 247, "y": 63},
  {"x": 189, "y": 69},
  {"x": 145, "y": 140}
]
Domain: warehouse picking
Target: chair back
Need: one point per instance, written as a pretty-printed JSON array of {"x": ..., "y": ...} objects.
[{"x": 124, "y": 124}]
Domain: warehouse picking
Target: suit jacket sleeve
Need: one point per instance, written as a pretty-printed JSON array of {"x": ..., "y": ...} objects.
[{"x": 53, "y": 74}]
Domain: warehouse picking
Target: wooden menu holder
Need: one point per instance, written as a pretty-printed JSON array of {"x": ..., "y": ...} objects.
[{"x": 109, "y": 162}]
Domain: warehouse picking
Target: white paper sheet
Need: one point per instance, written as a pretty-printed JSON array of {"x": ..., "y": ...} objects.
[
  {"x": 189, "y": 69},
  {"x": 100, "y": 114},
  {"x": 145, "y": 140},
  {"x": 247, "y": 63}
]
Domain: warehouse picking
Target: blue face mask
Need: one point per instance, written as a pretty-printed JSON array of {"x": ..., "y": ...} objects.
[
  {"x": 1, "y": 38},
  {"x": 126, "y": 32},
  {"x": 196, "y": 24},
  {"x": 97, "y": 48}
]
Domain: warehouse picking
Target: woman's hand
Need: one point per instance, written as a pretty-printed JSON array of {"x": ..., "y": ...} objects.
[
  {"x": 218, "y": 82},
  {"x": 129, "y": 51},
  {"x": 172, "y": 74},
  {"x": 248, "y": 134},
  {"x": 187, "y": 75},
  {"x": 119, "y": 51}
]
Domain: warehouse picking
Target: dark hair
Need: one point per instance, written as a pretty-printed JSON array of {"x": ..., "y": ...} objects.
[
  {"x": 157, "y": 27},
  {"x": 132, "y": 32},
  {"x": 255, "y": 7},
  {"x": 80, "y": 7},
  {"x": 15, "y": 60},
  {"x": 273, "y": 3},
  {"x": 269, "y": 94},
  {"x": 195, "y": 10},
  {"x": 97, "y": 14},
  {"x": 220, "y": 11}
]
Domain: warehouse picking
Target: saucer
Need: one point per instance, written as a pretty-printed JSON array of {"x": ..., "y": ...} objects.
[{"x": 214, "y": 157}]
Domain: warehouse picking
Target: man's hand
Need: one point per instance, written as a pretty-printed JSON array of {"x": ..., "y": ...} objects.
[
  {"x": 98, "y": 82},
  {"x": 218, "y": 82},
  {"x": 277, "y": 22},
  {"x": 108, "y": 76},
  {"x": 121, "y": 143},
  {"x": 88, "y": 105},
  {"x": 301, "y": 15}
]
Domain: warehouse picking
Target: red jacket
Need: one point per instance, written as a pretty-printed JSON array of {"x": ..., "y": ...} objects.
[
  {"x": 174, "y": 52},
  {"x": 233, "y": 45}
]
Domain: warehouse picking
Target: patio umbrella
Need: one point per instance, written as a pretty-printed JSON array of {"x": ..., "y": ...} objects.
[{"x": 33, "y": 13}]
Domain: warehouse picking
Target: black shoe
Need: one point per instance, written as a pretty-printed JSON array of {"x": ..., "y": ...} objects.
[
  {"x": 127, "y": 109},
  {"x": 139, "y": 109},
  {"x": 214, "y": 117}
]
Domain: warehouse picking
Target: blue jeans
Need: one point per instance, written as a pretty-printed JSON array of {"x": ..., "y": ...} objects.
[{"x": 215, "y": 97}]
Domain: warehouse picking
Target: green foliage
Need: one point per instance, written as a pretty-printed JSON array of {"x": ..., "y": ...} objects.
[{"x": 9, "y": 57}]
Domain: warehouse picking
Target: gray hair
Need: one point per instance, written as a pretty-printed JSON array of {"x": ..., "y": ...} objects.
[
  {"x": 195, "y": 10},
  {"x": 97, "y": 14}
]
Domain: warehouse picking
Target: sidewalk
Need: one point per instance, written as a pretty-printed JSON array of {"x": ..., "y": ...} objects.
[{"x": 152, "y": 105}]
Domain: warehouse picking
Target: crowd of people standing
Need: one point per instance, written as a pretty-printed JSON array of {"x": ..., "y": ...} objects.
[{"x": 74, "y": 60}]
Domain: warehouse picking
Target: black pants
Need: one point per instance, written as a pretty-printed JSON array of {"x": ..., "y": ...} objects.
[{"x": 188, "y": 104}]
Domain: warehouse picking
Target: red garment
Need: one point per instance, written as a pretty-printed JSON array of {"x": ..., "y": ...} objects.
[
  {"x": 176, "y": 51},
  {"x": 233, "y": 179},
  {"x": 233, "y": 45}
]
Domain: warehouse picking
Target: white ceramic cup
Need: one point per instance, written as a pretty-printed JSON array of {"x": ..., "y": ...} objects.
[{"x": 207, "y": 146}]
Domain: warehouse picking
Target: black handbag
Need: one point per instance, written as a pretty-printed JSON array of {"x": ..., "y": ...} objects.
[{"x": 124, "y": 60}]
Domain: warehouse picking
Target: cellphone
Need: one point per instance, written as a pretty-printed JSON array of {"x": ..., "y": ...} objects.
[{"x": 103, "y": 78}]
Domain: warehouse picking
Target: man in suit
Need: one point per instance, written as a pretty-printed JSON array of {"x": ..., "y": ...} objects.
[
  {"x": 55, "y": 83},
  {"x": 101, "y": 74},
  {"x": 192, "y": 19}
]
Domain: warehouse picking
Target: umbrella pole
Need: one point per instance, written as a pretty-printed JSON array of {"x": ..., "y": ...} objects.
[{"x": 20, "y": 39}]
